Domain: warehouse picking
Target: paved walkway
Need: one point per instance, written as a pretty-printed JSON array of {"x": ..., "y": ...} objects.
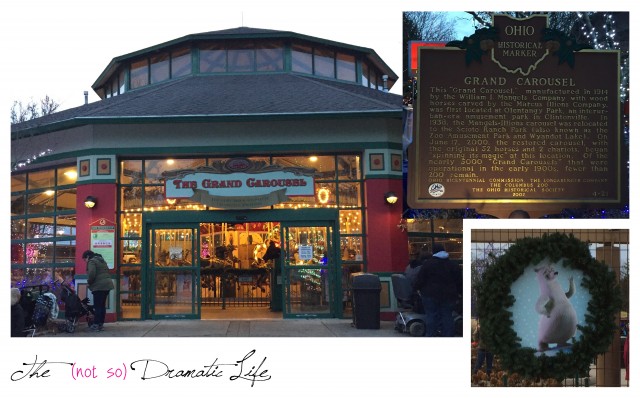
[{"x": 234, "y": 328}]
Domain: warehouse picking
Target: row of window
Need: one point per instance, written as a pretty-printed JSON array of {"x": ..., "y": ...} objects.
[
  {"x": 43, "y": 225},
  {"x": 43, "y": 210},
  {"x": 243, "y": 57}
]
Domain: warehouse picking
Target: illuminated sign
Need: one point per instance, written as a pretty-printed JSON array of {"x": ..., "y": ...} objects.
[{"x": 239, "y": 184}]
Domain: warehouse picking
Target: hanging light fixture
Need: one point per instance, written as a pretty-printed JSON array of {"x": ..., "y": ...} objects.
[
  {"x": 90, "y": 202},
  {"x": 390, "y": 197}
]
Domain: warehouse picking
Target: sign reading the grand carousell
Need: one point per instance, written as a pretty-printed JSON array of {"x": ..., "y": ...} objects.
[
  {"x": 239, "y": 183},
  {"x": 516, "y": 115}
]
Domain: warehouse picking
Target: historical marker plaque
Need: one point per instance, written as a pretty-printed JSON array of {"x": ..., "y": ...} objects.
[{"x": 526, "y": 125}]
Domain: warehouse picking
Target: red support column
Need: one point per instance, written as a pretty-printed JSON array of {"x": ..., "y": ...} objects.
[
  {"x": 387, "y": 245},
  {"x": 105, "y": 208}
]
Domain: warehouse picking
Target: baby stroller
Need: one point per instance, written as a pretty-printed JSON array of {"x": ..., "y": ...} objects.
[
  {"x": 75, "y": 308},
  {"x": 39, "y": 305},
  {"x": 411, "y": 318}
]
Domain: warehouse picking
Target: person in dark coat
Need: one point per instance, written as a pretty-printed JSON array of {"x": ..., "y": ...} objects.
[
  {"x": 439, "y": 282},
  {"x": 100, "y": 284},
  {"x": 17, "y": 314},
  {"x": 414, "y": 265}
]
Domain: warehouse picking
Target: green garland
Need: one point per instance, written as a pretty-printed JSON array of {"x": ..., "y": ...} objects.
[{"x": 494, "y": 297}]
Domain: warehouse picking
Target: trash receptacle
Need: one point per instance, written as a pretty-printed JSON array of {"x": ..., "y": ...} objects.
[{"x": 366, "y": 300}]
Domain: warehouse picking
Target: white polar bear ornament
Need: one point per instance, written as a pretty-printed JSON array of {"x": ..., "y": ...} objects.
[{"x": 558, "y": 320}]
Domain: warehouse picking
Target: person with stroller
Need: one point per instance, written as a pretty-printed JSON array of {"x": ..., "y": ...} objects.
[
  {"x": 17, "y": 314},
  {"x": 100, "y": 284},
  {"x": 440, "y": 284}
]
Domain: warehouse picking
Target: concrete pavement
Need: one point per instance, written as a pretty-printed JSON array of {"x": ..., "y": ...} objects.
[{"x": 233, "y": 328}]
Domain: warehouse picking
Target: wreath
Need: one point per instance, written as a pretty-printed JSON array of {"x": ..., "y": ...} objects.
[{"x": 495, "y": 298}]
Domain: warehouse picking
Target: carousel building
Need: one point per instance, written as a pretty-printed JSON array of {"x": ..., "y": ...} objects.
[{"x": 204, "y": 151}]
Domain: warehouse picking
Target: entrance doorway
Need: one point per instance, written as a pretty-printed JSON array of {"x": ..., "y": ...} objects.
[
  {"x": 213, "y": 266},
  {"x": 236, "y": 276},
  {"x": 174, "y": 273},
  {"x": 309, "y": 271}
]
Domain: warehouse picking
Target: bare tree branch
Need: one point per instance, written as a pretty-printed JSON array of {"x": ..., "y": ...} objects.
[
  {"x": 21, "y": 112},
  {"x": 433, "y": 26}
]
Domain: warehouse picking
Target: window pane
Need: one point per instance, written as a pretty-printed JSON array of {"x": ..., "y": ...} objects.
[
  {"x": 17, "y": 229},
  {"x": 365, "y": 75},
  {"x": 324, "y": 165},
  {"x": 154, "y": 196},
  {"x": 114, "y": 86},
  {"x": 131, "y": 198},
  {"x": 131, "y": 172},
  {"x": 181, "y": 63},
  {"x": 131, "y": 251},
  {"x": 155, "y": 168},
  {"x": 17, "y": 253},
  {"x": 41, "y": 179},
  {"x": 351, "y": 248},
  {"x": 326, "y": 194},
  {"x": 18, "y": 182},
  {"x": 159, "y": 68},
  {"x": 131, "y": 225},
  {"x": 67, "y": 175},
  {"x": 41, "y": 202},
  {"x": 121, "y": 80},
  {"x": 222, "y": 161},
  {"x": 419, "y": 225},
  {"x": 139, "y": 74},
  {"x": 17, "y": 205},
  {"x": 349, "y": 167},
  {"x": 65, "y": 251},
  {"x": 323, "y": 63},
  {"x": 213, "y": 59},
  {"x": 346, "y": 67},
  {"x": 40, "y": 227},
  {"x": 270, "y": 57},
  {"x": 66, "y": 199},
  {"x": 349, "y": 194},
  {"x": 241, "y": 57},
  {"x": 301, "y": 59},
  {"x": 130, "y": 286},
  {"x": 41, "y": 252},
  {"x": 448, "y": 226},
  {"x": 350, "y": 221},
  {"x": 66, "y": 225},
  {"x": 37, "y": 276},
  {"x": 65, "y": 275},
  {"x": 130, "y": 279}
]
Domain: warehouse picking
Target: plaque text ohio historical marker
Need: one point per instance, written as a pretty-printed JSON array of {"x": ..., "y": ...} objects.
[{"x": 516, "y": 120}]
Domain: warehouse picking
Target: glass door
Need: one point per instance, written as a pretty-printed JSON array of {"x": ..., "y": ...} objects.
[
  {"x": 309, "y": 271},
  {"x": 174, "y": 273}
]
